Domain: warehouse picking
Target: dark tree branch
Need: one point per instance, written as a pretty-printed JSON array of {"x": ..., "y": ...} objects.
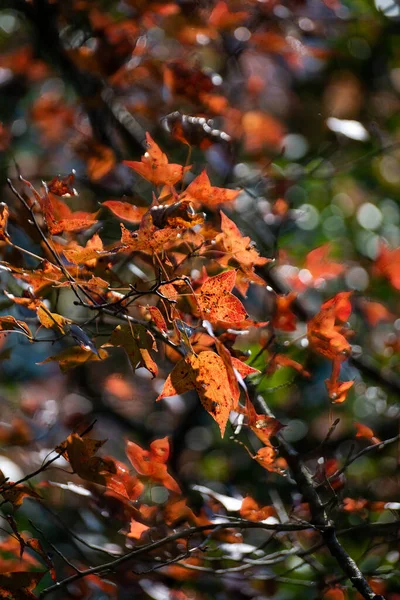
[{"x": 320, "y": 519}]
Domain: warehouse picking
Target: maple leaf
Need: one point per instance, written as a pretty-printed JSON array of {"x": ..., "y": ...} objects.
[
  {"x": 19, "y": 585},
  {"x": 233, "y": 364},
  {"x": 263, "y": 426},
  {"x": 240, "y": 252},
  {"x": 37, "y": 547},
  {"x": 152, "y": 463},
  {"x": 284, "y": 317},
  {"x": 62, "y": 186},
  {"x": 4, "y": 214},
  {"x": 201, "y": 192},
  {"x": 366, "y": 432},
  {"x": 354, "y": 506},
  {"x": 267, "y": 457},
  {"x": 375, "y": 312},
  {"x": 282, "y": 360},
  {"x": 387, "y": 264},
  {"x": 206, "y": 373},
  {"x": 10, "y": 323},
  {"x": 17, "y": 493},
  {"x": 51, "y": 320},
  {"x": 106, "y": 471},
  {"x": 337, "y": 390},
  {"x": 59, "y": 216},
  {"x": 154, "y": 166},
  {"x": 137, "y": 342},
  {"x": 125, "y": 211},
  {"x": 136, "y": 530},
  {"x": 222, "y": 18},
  {"x": 86, "y": 255},
  {"x": 157, "y": 318},
  {"x": 341, "y": 305},
  {"x": 177, "y": 510},
  {"x": 252, "y": 511},
  {"x": 323, "y": 332},
  {"x": 216, "y": 302},
  {"x": 100, "y": 159},
  {"x": 75, "y": 356},
  {"x": 40, "y": 278},
  {"x": 318, "y": 267},
  {"x": 335, "y": 593}
]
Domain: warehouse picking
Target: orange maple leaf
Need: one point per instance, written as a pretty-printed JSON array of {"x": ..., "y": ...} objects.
[
  {"x": 59, "y": 217},
  {"x": 318, "y": 267},
  {"x": 324, "y": 333},
  {"x": 217, "y": 303},
  {"x": 206, "y": 373},
  {"x": 126, "y": 211},
  {"x": 284, "y": 317},
  {"x": 152, "y": 463},
  {"x": 200, "y": 191},
  {"x": 239, "y": 251},
  {"x": 363, "y": 431},
  {"x": 155, "y": 167},
  {"x": 252, "y": 511},
  {"x": 387, "y": 264},
  {"x": 263, "y": 426}
]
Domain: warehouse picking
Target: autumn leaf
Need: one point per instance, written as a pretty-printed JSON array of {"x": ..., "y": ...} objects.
[
  {"x": 39, "y": 279},
  {"x": 375, "y": 312},
  {"x": 157, "y": 318},
  {"x": 51, "y": 320},
  {"x": 252, "y": 511},
  {"x": 355, "y": 506},
  {"x": 4, "y": 214},
  {"x": 363, "y": 431},
  {"x": 60, "y": 218},
  {"x": 126, "y": 211},
  {"x": 277, "y": 360},
  {"x": 206, "y": 373},
  {"x": 263, "y": 426},
  {"x": 37, "y": 547},
  {"x": 9, "y": 323},
  {"x": 387, "y": 264},
  {"x": 137, "y": 342},
  {"x": 148, "y": 239},
  {"x": 136, "y": 530},
  {"x": 201, "y": 192},
  {"x": 17, "y": 493},
  {"x": 284, "y": 318},
  {"x": 106, "y": 471},
  {"x": 267, "y": 457},
  {"x": 216, "y": 302},
  {"x": 155, "y": 167},
  {"x": 152, "y": 463},
  {"x": 337, "y": 390},
  {"x": 88, "y": 254},
  {"x": 318, "y": 267},
  {"x": 100, "y": 159},
  {"x": 323, "y": 331},
  {"x": 62, "y": 186},
  {"x": 19, "y": 585},
  {"x": 74, "y": 357},
  {"x": 239, "y": 252}
]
